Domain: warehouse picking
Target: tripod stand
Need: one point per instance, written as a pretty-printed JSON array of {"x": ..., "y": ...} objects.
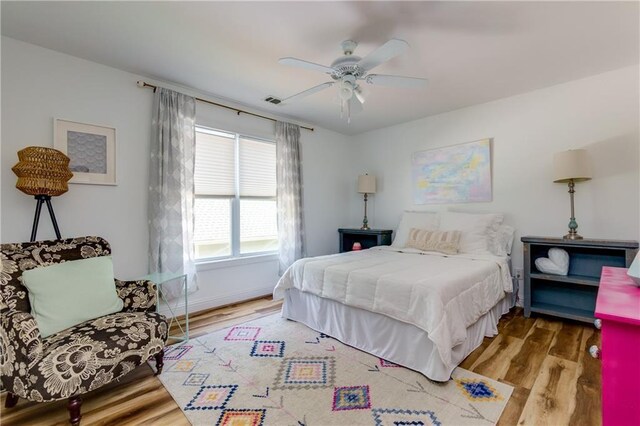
[{"x": 41, "y": 199}]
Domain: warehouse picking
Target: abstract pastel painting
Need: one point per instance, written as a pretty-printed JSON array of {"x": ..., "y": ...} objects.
[{"x": 455, "y": 174}]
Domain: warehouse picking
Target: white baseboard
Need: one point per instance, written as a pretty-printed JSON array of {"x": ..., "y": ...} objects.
[{"x": 196, "y": 305}]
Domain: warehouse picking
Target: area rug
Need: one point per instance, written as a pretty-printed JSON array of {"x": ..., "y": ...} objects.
[{"x": 272, "y": 371}]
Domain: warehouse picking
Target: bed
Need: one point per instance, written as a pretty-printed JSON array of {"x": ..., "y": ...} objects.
[{"x": 422, "y": 310}]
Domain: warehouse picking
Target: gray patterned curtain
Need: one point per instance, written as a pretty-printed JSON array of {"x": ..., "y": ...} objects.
[
  {"x": 171, "y": 187},
  {"x": 289, "y": 195}
]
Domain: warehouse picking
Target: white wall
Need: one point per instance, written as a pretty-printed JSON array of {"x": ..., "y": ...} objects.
[
  {"x": 40, "y": 84},
  {"x": 599, "y": 113}
]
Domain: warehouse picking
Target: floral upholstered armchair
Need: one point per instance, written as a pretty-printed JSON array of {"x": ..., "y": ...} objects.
[{"x": 84, "y": 357}]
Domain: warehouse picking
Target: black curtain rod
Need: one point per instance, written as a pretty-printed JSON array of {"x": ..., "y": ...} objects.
[{"x": 238, "y": 111}]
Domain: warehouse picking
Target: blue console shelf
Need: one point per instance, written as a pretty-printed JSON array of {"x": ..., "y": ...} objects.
[{"x": 571, "y": 296}]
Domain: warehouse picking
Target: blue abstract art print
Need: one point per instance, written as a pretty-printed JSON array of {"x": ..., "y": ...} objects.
[{"x": 454, "y": 174}]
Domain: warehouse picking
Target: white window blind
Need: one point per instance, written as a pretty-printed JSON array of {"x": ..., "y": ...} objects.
[
  {"x": 257, "y": 168},
  {"x": 235, "y": 184},
  {"x": 215, "y": 164}
]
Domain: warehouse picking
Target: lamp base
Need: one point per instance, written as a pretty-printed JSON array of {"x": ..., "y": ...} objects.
[
  {"x": 365, "y": 221},
  {"x": 573, "y": 225},
  {"x": 40, "y": 200},
  {"x": 573, "y": 236}
]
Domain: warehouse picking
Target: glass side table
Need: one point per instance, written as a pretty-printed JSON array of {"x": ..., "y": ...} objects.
[{"x": 161, "y": 279}]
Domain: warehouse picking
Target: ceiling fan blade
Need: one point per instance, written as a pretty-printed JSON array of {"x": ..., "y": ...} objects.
[
  {"x": 299, "y": 63},
  {"x": 396, "y": 81},
  {"x": 308, "y": 92},
  {"x": 390, "y": 49}
]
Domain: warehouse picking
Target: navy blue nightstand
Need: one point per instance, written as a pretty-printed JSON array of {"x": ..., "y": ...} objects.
[{"x": 367, "y": 238}]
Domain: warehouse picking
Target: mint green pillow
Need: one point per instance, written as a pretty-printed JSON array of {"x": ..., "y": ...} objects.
[{"x": 71, "y": 292}]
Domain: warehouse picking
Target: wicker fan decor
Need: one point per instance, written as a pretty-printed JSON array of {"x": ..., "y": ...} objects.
[{"x": 42, "y": 171}]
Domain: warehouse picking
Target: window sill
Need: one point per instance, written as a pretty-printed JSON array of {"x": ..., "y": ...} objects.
[{"x": 230, "y": 262}]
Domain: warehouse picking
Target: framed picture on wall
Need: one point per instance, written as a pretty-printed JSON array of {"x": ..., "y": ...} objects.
[
  {"x": 91, "y": 149},
  {"x": 454, "y": 174}
]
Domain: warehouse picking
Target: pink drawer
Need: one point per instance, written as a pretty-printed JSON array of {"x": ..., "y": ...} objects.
[{"x": 618, "y": 307}]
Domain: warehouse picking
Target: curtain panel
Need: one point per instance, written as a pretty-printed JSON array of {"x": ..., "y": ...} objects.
[
  {"x": 289, "y": 195},
  {"x": 171, "y": 188}
]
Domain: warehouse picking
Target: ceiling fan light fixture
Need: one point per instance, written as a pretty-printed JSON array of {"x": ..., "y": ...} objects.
[
  {"x": 358, "y": 92},
  {"x": 347, "y": 85},
  {"x": 346, "y": 92}
]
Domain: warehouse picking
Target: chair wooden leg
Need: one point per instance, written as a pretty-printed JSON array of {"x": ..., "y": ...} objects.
[
  {"x": 74, "y": 410},
  {"x": 11, "y": 400},
  {"x": 159, "y": 362}
]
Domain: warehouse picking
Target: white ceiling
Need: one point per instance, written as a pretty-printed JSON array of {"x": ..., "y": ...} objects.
[{"x": 471, "y": 52}]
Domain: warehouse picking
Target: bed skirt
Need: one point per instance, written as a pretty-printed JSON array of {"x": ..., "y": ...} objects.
[{"x": 387, "y": 338}]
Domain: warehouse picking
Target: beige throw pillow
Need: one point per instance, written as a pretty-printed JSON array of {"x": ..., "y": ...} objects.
[
  {"x": 422, "y": 220},
  {"x": 446, "y": 242}
]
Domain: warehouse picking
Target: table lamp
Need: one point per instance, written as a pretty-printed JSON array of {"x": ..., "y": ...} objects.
[
  {"x": 366, "y": 186},
  {"x": 570, "y": 167},
  {"x": 43, "y": 173}
]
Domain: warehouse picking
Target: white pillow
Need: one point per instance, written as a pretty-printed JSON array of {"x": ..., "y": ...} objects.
[
  {"x": 504, "y": 240},
  {"x": 420, "y": 220},
  {"x": 478, "y": 230}
]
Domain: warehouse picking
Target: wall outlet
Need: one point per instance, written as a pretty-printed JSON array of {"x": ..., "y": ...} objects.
[{"x": 519, "y": 274}]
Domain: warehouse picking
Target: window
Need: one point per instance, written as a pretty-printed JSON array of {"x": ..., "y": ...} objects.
[{"x": 235, "y": 189}]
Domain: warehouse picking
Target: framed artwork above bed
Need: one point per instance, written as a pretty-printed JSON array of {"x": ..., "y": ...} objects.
[{"x": 454, "y": 174}]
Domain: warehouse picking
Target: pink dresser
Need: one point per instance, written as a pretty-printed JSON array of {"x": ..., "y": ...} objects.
[{"x": 618, "y": 309}]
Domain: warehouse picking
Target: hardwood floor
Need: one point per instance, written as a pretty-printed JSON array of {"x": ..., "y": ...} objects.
[{"x": 556, "y": 381}]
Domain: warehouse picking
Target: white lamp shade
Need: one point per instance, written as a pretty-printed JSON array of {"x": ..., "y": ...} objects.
[
  {"x": 571, "y": 165},
  {"x": 366, "y": 184}
]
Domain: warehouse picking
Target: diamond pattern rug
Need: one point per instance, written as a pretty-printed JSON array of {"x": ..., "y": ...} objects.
[{"x": 277, "y": 372}]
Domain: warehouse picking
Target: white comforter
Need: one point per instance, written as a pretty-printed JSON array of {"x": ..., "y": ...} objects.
[{"x": 442, "y": 295}]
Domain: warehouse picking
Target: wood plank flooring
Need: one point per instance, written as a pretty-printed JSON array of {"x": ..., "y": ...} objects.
[{"x": 556, "y": 381}]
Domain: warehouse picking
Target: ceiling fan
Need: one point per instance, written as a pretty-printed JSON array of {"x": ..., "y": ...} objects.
[{"x": 348, "y": 70}]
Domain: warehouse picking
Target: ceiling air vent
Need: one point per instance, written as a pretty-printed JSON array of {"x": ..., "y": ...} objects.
[{"x": 273, "y": 100}]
